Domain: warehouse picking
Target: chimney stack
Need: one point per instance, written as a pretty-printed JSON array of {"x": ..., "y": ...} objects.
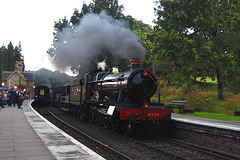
[
  {"x": 19, "y": 66},
  {"x": 135, "y": 63}
]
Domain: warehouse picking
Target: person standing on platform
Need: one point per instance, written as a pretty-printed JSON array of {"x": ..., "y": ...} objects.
[
  {"x": 19, "y": 99},
  {"x": 2, "y": 102},
  {"x": 6, "y": 98},
  {"x": 12, "y": 97},
  {"x": 8, "y": 95}
]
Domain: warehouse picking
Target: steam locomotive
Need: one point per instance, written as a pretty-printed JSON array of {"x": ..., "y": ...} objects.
[{"x": 117, "y": 100}]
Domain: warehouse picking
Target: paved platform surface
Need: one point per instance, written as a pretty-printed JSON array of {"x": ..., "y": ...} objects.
[
  {"x": 25, "y": 135},
  {"x": 230, "y": 125},
  {"x": 18, "y": 141}
]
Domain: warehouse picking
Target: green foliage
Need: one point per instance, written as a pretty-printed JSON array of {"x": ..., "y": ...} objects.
[
  {"x": 207, "y": 101},
  {"x": 171, "y": 92},
  {"x": 233, "y": 103},
  {"x": 140, "y": 28},
  {"x": 206, "y": 80},
  {"x": 200, "y": 39},
  {"x": 215, "y": 106},
  {"x": 111, "y": 6},
  {"x": 8, "y": 56},
  {"x": 96, "y": 6},
  {"x": 196, "y": 100},
  {"x": 168, "y": 92},
  {"x": 221, "y": 116}
]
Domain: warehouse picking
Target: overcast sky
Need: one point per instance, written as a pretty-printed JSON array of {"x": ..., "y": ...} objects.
[{"x": 31, "y": 23}]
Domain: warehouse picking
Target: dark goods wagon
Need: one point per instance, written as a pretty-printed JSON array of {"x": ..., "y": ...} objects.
[
  {"x": 60, "y": 97},
  {"x": 42, "y": 95}
]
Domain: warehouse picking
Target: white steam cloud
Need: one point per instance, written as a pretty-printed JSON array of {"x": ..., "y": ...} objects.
[
  {"x": 101, "y": 65},
  {"x": 94, "y": 33}
]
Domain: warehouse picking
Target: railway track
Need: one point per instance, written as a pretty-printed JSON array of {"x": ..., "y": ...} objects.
[
  {"x": 138, "y": 149},
  {"x": 156, "y": 148},
  {"x": 215, "y": 140},
  {"x": 109, "y": 151},
  {"x": 182, "y": 150}
]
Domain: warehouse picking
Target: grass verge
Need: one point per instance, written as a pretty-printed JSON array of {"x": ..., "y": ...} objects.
[{"x": 220, "y": 116}]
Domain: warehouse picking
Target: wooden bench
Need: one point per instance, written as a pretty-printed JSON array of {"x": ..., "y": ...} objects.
[{"x": 179, "y": 104}]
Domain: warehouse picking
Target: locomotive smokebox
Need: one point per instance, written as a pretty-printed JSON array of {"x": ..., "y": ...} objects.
[{"x": 135, "y": 63}]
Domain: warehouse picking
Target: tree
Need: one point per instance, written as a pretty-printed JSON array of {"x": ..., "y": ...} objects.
[
  {"x": 111, "y": 6},
  {"x": 76, "y": 17},
  {"x": 204, "y": 37},
  {"x": 8, "y": 56}
]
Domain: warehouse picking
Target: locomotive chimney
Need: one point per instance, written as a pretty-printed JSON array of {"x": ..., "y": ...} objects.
[{"x": 135, "y": 63}]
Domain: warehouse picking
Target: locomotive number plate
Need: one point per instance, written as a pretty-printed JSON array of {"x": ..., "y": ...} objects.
[{"x": 154, "y": 114}]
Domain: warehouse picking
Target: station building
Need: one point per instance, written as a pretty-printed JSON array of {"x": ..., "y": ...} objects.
[{"x": 19, "y": 79}]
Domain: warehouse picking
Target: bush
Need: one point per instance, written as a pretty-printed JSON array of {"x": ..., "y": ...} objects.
[
  {"x": 196, "y": 100},
  {"x": 215, "y": 106},
  {"x": 167, "y": 92},
  {"x": 233, "y": 104}
]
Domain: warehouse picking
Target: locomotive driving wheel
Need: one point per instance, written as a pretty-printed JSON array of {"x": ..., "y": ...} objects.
[{"x": 107, "y": 124}]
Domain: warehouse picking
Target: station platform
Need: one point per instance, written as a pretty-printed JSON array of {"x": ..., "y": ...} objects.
[
  {"x": 229, "y": 125},
  {"x": 25, "y": 135}
]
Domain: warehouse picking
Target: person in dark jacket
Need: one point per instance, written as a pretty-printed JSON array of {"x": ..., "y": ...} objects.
[
  {"x": 19, "y": 102},
  {"x": 12, "y": 97},
  {"x": 19, "y": 99},
  {"x": 2, "y": 102}
]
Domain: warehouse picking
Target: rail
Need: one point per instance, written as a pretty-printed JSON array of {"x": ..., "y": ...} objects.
[{"x": 100, "y": 144}]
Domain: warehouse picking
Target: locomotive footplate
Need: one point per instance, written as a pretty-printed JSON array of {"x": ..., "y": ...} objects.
[
  {"x": 153, "y": 112},
  {"x": 148, "y": 114}
]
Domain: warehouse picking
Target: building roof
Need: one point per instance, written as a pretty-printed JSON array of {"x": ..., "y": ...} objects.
[
  {"x": 18, "y": 74},
  {"x": 6, "y": 74},
  {"x": 27, "y": 76}
]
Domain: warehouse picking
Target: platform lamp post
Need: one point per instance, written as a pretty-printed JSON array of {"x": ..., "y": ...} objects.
[{"x": 3, "y": 89}]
